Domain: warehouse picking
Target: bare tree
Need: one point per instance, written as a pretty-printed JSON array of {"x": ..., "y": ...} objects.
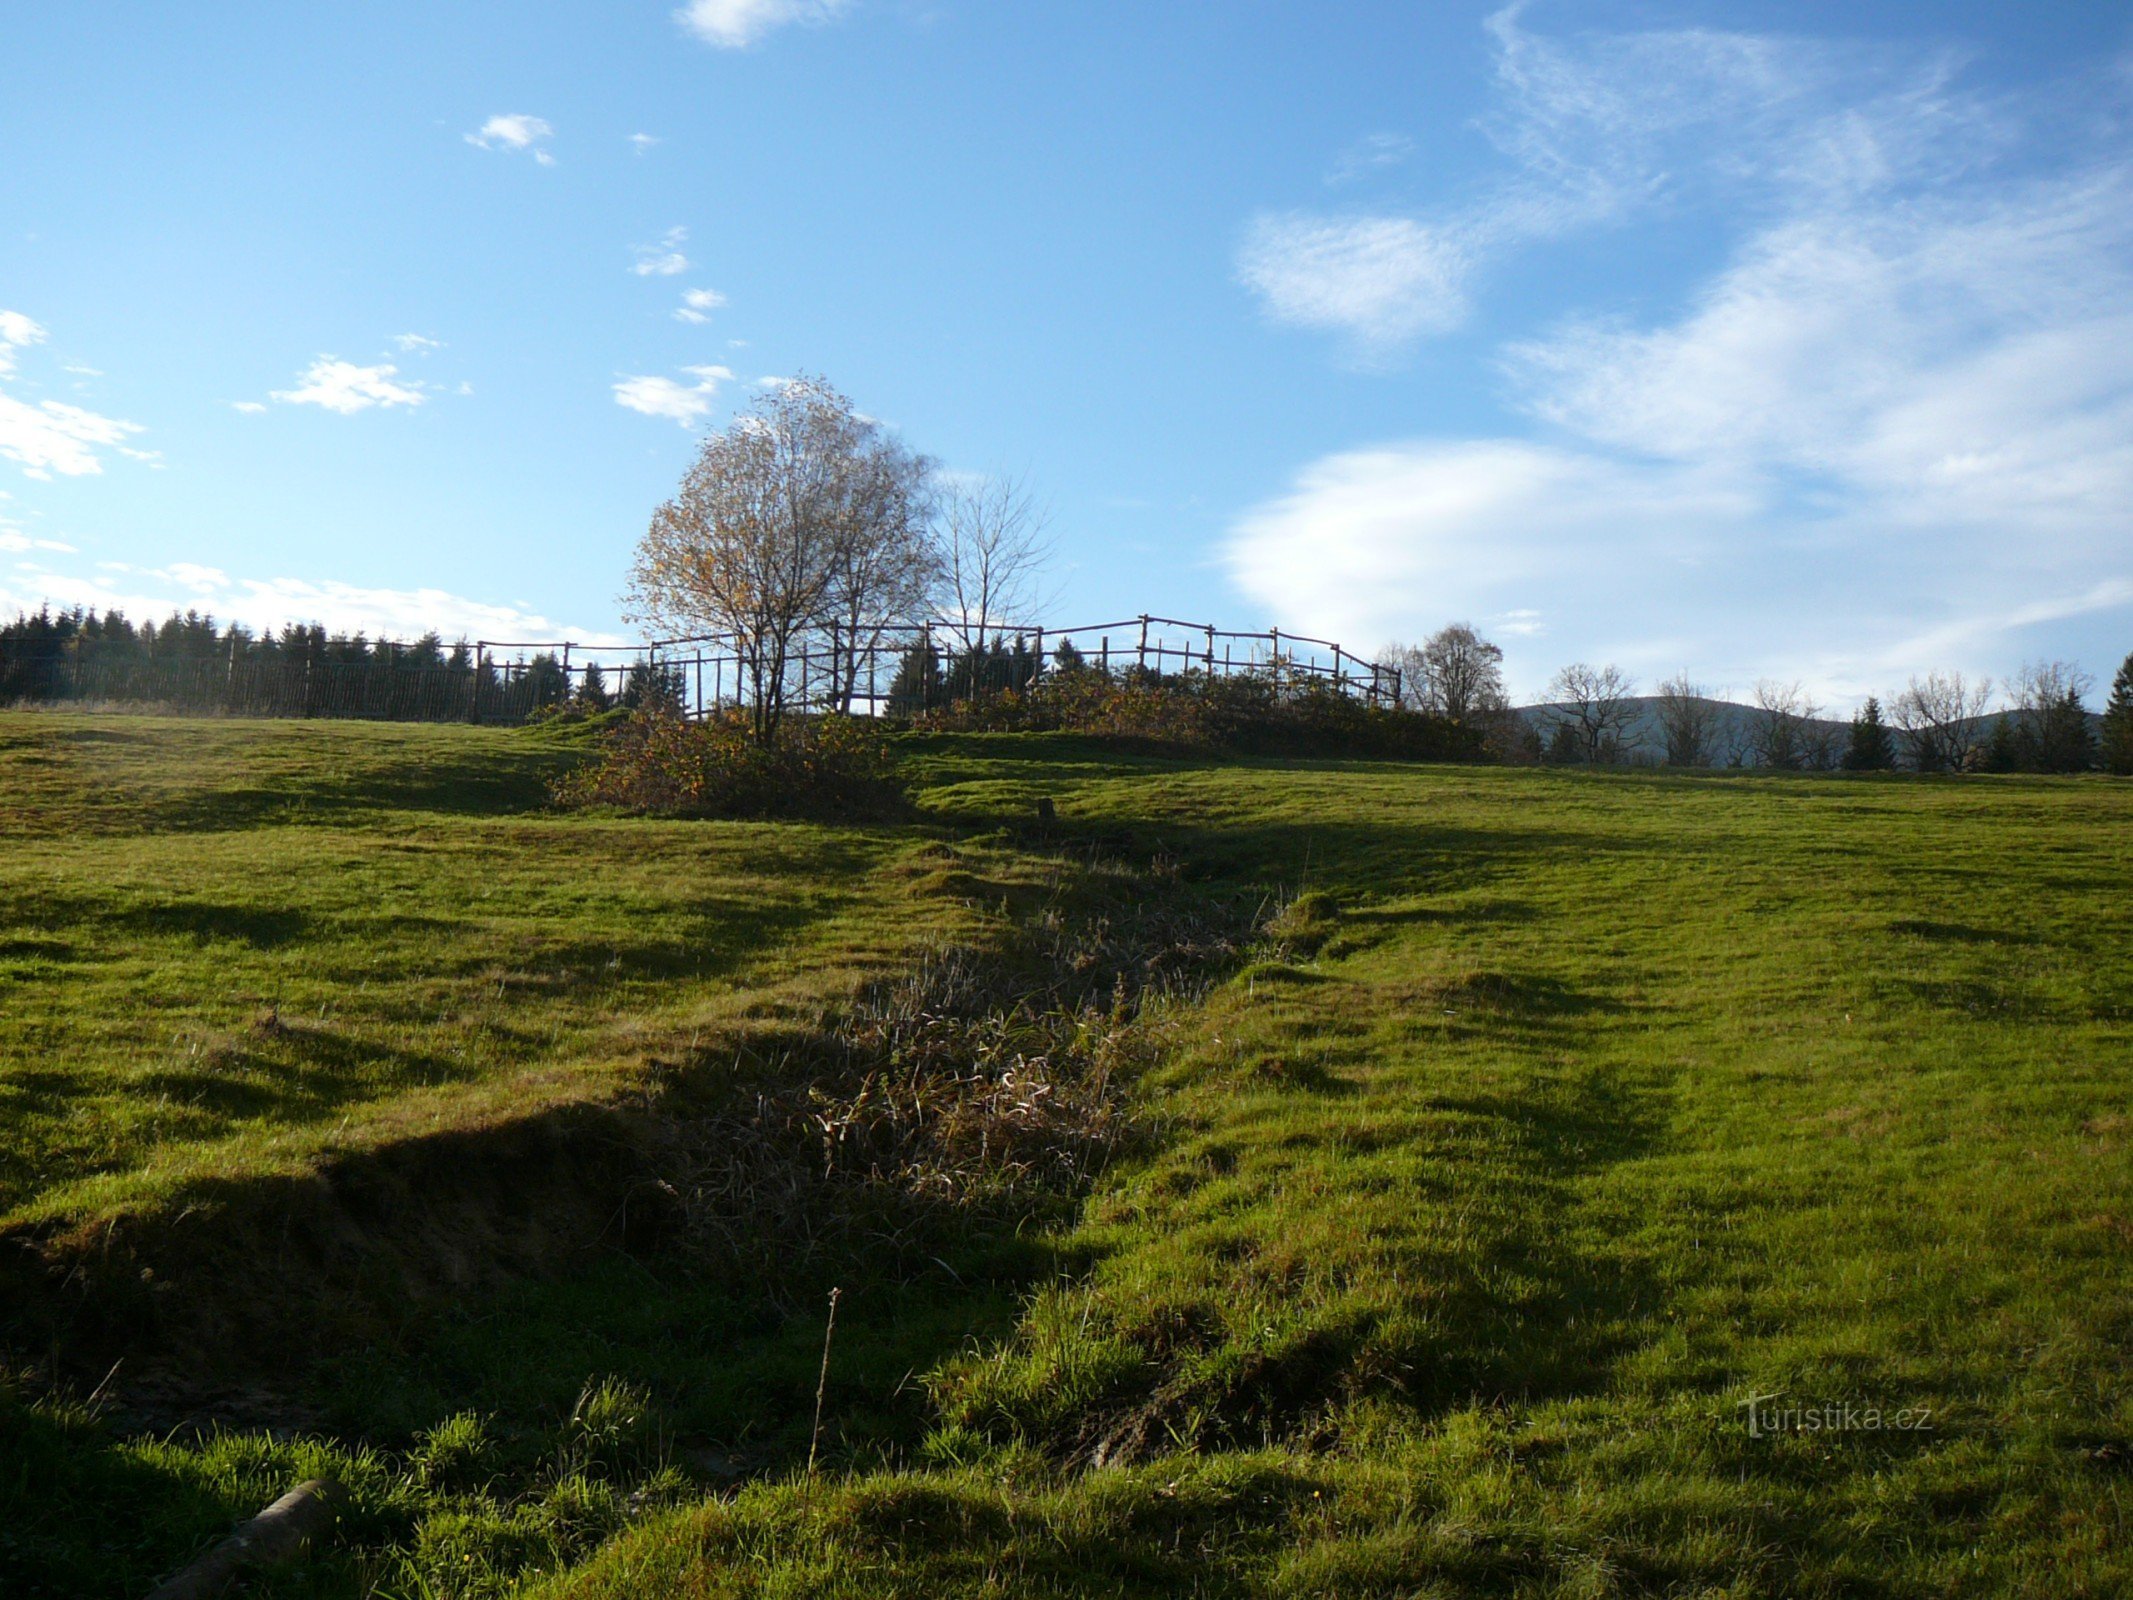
[
  {"x": 992, "y": 540},
  {"x": 1784, "y": 733},
  {"x": 1688, "y": 722},
  {"x": 1592, "y": 711},
  {"x": 761, "y": 545},
  {"x": 887, "y": 567},
  {"x": 1941, "y": 718},
  {"x": 2051, "y": 722},
  {"x": 1454, "y": 673}
]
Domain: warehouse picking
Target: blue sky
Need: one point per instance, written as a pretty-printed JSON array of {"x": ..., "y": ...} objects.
[{"x": 1752, "y": 340}]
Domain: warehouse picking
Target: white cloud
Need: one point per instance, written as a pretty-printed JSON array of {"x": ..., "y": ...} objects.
[
  {"x": 49, "y": 436},
  {"x": 269, "y": 603},
  {"x": 664, "y": 259},
  {"x": 16, "y": 331},
  {"x": 1599, "y": 129},
  {"x": 1891, "y": 432},
  {"x": 193, "y": 576},
  {"x": 1522, "y": 622},
  {"x": 1395, "y": 538},
  {"x": 658, "y": 396},
  {"x": 736, "y": 24},
  {"x": 1956, "y": 355},
  {"x": 347, "y": 388},
  {"x": 15, "y": 542},
  {"x": 416, "y": 344},
  {"x": 698, "y": 304},
  {"x": 515, "y": 131},
  {"x": 249, "y": 407},
  {"x": 1382, "y": 280},
  {"x": 641, "y": 142},
  {"x": 1372, "y": 153}
]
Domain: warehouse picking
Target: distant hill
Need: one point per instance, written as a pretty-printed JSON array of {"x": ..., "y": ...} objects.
[
  {"x": 1733, "y": 729},
  {"x": 1732, "y": 732}
]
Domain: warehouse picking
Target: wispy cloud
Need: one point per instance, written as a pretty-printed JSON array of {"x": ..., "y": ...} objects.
[
  {"x": 736, "y": 24},
  {"x": 16, "y": 332},
  {"x": 48, "y": 437},
  {"x": 698, "y": 304},
  {"x": 270, "y": 602},
  {"x": 660, "y": 396},
  {"x": 641, "y": 142},
  {"x": 1380, "y": 280},
  {"x": 1376, "y": 152},
  {"x": 416, "y": 344},
  {"x": 515, "y": 131},
  {"x": 347, "y": 388},
  {"x": 664, "y": 259},
  {"x": 14, "y": 542},
  {"x": 1597, "y": 129},
  {"x": 1897, "y": 418}
]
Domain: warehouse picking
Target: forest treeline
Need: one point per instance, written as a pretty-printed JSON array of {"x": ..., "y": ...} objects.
[
  {"x": 2039, "y": 721},
  {"x": 189, "y": 662},
  {"x": 1452, "y": 684}
]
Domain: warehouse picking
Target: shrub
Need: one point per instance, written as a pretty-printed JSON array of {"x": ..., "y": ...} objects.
[
  {"x": 1267, "y": 712},
  {"x": 832, "y": 766}
]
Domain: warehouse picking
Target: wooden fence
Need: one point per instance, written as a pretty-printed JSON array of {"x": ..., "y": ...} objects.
[
  {"x": 898, "y": 668},
  {"x": 884, "y": 670}
]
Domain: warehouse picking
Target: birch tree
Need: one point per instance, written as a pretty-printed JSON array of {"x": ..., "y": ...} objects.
[
  {"x": 992, "y": 539},
  {"x": 790, "y": 520}
]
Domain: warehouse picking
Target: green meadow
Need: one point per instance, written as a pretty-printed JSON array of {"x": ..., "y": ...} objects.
[{"x": 1540, "y": 1183}]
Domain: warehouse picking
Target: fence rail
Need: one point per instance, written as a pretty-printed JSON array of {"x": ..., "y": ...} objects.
[
  {"x": 893, "y": 669},
  {"x": 899, "y": 668}
]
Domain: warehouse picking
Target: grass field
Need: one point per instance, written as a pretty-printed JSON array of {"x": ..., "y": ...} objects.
[{"x": 1562, "y": 1116}]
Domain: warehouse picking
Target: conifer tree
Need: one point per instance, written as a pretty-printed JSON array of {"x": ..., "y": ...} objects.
[
  {"x": 1871, "y": 748},
  {"x": 2117, "y": 749},
  {"x": 2003, "y": 751},
  {"x": 2065, "y": 740}
]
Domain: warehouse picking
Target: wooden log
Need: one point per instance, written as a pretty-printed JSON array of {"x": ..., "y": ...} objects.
[{"x": 279, "y": 1534}]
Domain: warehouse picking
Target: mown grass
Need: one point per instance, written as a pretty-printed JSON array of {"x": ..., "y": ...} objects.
[{"x": 1557, "y": 1116}]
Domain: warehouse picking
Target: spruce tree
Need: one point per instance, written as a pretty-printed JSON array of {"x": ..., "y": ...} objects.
[
  {"x": 2117, "y": 749},
  {"x": 1871, "y": 748},
  {"x": 2004, "y": 752},
  {"x": 2065, "y": 741}
]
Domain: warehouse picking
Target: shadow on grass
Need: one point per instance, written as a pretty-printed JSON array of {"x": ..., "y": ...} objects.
[
  {"x": 61, "y": 1470},
  {"x": 295, "y": 1071},
  {"x": 1958, "y": 932},
  {"x": 261, "y": 927},
  {"x": 480, "y": 783}
]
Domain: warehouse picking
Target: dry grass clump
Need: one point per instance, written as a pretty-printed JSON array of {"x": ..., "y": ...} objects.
[{"x": 982, "y": 1083}]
